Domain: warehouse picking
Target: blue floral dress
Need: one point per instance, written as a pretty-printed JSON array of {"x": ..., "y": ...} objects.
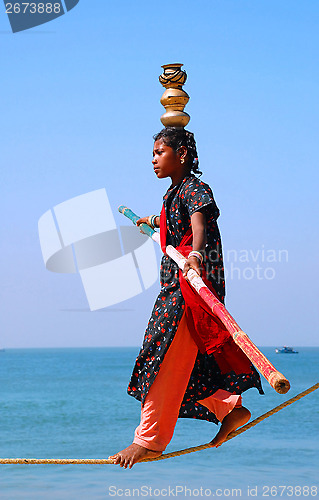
[{"x": 211, "y": 371}]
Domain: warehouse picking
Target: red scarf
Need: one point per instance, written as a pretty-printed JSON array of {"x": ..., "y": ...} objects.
[{"x": 207, "y": 331}]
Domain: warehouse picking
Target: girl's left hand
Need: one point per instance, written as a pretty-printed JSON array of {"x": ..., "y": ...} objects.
[{"x": 192, "y": 263}]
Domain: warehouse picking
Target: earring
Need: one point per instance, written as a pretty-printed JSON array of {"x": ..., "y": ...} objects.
[{"x": 182, "y": 160}]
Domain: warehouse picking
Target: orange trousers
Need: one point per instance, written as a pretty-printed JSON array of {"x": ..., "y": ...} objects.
[{"x": 162, "y": 404}]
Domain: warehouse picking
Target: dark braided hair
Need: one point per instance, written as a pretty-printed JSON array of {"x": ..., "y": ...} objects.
[{"x": 175, "y": 137}]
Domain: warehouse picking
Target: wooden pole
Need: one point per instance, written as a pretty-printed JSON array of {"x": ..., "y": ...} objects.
[{"x": 267, "y": 369}]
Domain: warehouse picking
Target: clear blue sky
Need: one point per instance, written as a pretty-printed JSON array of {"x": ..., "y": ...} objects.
[{"x": 79, "y": 105}]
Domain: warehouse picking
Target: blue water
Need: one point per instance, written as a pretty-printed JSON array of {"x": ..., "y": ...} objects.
[{"x": 72, "y": 403}]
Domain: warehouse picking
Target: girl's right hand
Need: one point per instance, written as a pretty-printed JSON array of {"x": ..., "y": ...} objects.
[
  {"x": 146, "y": 220},
  {"x": 143, "y": 220}
]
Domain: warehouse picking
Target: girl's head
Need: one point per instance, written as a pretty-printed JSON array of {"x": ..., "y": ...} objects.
[{"x": 183, "y": 143}]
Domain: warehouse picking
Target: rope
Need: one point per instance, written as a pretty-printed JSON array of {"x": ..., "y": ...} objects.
[
  {"x": 30, "y": 461},
  {"x": 241, "y": 429}
]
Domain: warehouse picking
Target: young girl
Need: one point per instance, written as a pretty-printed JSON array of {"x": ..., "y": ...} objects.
[{"x": 189, "y": 366}]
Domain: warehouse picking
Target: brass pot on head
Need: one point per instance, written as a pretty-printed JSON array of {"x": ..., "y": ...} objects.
[{"x": 174, "y": 98}]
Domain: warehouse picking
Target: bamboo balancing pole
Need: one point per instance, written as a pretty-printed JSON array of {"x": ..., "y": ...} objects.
[{"x": 275, "y": 378}]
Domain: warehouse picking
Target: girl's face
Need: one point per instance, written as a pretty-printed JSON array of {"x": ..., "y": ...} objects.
[{"x": 166, "y": 162}]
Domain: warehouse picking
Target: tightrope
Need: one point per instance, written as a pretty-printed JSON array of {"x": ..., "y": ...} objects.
[{"x": 62, "y": 461}]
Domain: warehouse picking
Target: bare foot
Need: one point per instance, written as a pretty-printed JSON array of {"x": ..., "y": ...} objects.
[
  {"x": 236, "y": 418},
  {"x": 132, "y": 454}
]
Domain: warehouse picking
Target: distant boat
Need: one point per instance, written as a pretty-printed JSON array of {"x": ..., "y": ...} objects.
[{"x": 286, "y": 350}]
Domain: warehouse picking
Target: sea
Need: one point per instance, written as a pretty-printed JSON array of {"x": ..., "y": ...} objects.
[{"x": 72, "y": 403}]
